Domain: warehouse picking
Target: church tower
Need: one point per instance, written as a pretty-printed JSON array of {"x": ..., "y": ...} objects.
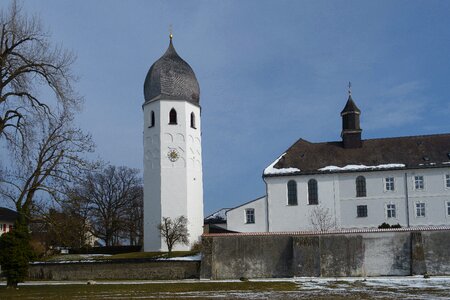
[
  {"x": 351, "y": 130},
  {"x": 173, "y": 179}
]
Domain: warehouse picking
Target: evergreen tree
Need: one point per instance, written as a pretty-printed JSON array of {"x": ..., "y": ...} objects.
[{"x": 15, "y": 253}]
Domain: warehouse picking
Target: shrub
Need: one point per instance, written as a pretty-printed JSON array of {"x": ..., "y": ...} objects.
[{"x": 384, "y": 226}]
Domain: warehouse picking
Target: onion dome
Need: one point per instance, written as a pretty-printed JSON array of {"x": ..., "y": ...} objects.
[{"x": 171, "y": 78}]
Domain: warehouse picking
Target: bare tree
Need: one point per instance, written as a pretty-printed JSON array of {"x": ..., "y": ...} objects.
[
  {"x": 134, "y": 219},
  {"x": 109, "y": 194},
  {"x": 28, "y": 64},
  {"x": 321, "y": 219},
  {"x": 56, "y": 159},
  {"x": 174, "y": 231}
]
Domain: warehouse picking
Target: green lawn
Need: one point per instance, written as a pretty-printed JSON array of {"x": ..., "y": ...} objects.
[
  {"x": 129, "y": 291},
  {"x": 407, "y": 288}
]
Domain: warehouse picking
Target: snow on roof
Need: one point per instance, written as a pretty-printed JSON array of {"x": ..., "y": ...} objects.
[
  {"x": 271, "y": 170},
  {"x": 361, "y": 167},
  {"x": 220, "y": 214}
]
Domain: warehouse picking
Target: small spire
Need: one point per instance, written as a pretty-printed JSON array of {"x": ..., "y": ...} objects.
[
  {"x": 349, "y": 88},
  {"x": 170, "y": 32}
]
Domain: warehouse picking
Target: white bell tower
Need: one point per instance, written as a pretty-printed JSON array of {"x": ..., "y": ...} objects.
[{"x": 173, "y": 179}]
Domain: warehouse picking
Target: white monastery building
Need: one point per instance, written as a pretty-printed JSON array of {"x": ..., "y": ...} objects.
[
  {"x": 173, "y": 180},
  {"x": 352, "y": 183}
]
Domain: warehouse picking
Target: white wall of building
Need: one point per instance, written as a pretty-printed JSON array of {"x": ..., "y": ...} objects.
[
  {"x": 284, "y": 217},
  {"x": 172, "y": 189},
  {"x": 236, "y": 217},
  {"x": 337, "y": 193}
]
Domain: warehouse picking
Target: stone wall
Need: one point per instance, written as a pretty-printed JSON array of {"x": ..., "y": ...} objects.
[
  {"x": 124, "y": 269},
  {"x": 378, "y": 253}
]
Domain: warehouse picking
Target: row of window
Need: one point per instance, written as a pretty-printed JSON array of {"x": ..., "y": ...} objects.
[
  {"x": 360, "y": 185},
  {"x": 391, "y": 210},
  {"x": 313, "y": 192},
  {"x": 173, "y": 120},
  {"x": 361, "y": 211}
]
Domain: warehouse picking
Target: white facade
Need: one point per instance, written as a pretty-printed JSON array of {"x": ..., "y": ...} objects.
[
  {"x": 385, "y": 202},
  {"x": 239, "y": 218},
  {"x": 173, "y": 179}
]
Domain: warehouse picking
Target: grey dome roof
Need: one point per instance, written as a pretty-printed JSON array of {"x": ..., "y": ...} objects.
[{"x": 171, "y": 78}]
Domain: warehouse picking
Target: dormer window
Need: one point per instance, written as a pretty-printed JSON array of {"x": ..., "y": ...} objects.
[
  {"x": 173, "y": 117},
  {"x": 193, "y": 120}
]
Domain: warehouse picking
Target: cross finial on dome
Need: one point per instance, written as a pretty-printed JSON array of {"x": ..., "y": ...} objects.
[
  {"x": 170, "y": 32},
  {"x": 349, "y": 88}
]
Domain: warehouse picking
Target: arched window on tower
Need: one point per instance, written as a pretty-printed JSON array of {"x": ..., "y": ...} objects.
[
  {"x": 292, "y": 192},
  {"x": 361, "y": 186},
  {"x": 173, "y": 117},
  {"x": 313, "y": 197},
  {"x": 152, "y": 119},
  {"x": 193, "y": 120}
]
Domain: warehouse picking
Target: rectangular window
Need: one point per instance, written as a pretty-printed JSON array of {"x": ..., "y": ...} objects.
[
  {"x": 361, "y": 211},
  {"x": 448, "y": 208},
  {"x": 447, "y": 180},
  {"x": 391, "y": 212},
  {"x": 250, "y": 216},
  {"x": 420, "y": 209},
  {"x": 389, "y": 183},
  {"x": 419, "y": 182}
]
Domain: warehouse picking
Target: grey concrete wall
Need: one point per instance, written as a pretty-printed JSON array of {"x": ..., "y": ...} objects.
[
  {"x": 436, "y": 248},
  {"x": 116, "y": 270},
  {"x": 386, "y": 253},
  {"x": 249, "y": 256}
]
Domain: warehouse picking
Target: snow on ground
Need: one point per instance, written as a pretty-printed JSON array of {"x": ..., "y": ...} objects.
[
  {"x": 361, "y": 167},
  {"x": 197, "y": 257},
  {"x": 349, "y": 288},
  {"x": 271, "y": 170}
]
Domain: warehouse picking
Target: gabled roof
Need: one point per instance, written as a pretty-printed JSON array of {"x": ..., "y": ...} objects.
[
  {"x": 7, "y": 215},
  {"x": 409, "y": 152}
]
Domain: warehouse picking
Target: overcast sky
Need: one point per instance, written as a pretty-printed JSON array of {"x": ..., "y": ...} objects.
[{"x": 270, "y": 72}]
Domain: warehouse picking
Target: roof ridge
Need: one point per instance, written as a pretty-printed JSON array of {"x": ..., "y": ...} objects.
[{"x": 382, "y": 138}]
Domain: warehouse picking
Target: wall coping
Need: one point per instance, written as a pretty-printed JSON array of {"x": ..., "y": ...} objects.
[{"x": 330, "y": 232}]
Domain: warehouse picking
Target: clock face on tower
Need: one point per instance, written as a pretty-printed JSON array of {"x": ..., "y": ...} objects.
[{"x": 173, "y": 155}]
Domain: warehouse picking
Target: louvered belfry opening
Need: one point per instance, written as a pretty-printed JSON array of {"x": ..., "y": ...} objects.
[{"x": 351, "y": 130}]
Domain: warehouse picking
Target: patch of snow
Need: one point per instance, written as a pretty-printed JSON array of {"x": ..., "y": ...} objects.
[
  {"x": 361, "y": 167},
  {"x": 446, "y": 163},
  {"x": 197, "y": 257},
  {"x": 271, "y": 170},
  {"x": 220, "y": 214}
]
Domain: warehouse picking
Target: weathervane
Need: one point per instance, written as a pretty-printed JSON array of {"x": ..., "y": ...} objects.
[
  {"x": 170, "y": 32},
  {"x": 349, "y": 88}
]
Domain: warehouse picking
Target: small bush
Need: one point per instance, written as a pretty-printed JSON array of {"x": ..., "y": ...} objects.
[
  {"x": 384, "y": 226},
  {"x": 244, "y": 279},
  {"x": 396, "y": 226},
  {"x": 196, "y": 246}
]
